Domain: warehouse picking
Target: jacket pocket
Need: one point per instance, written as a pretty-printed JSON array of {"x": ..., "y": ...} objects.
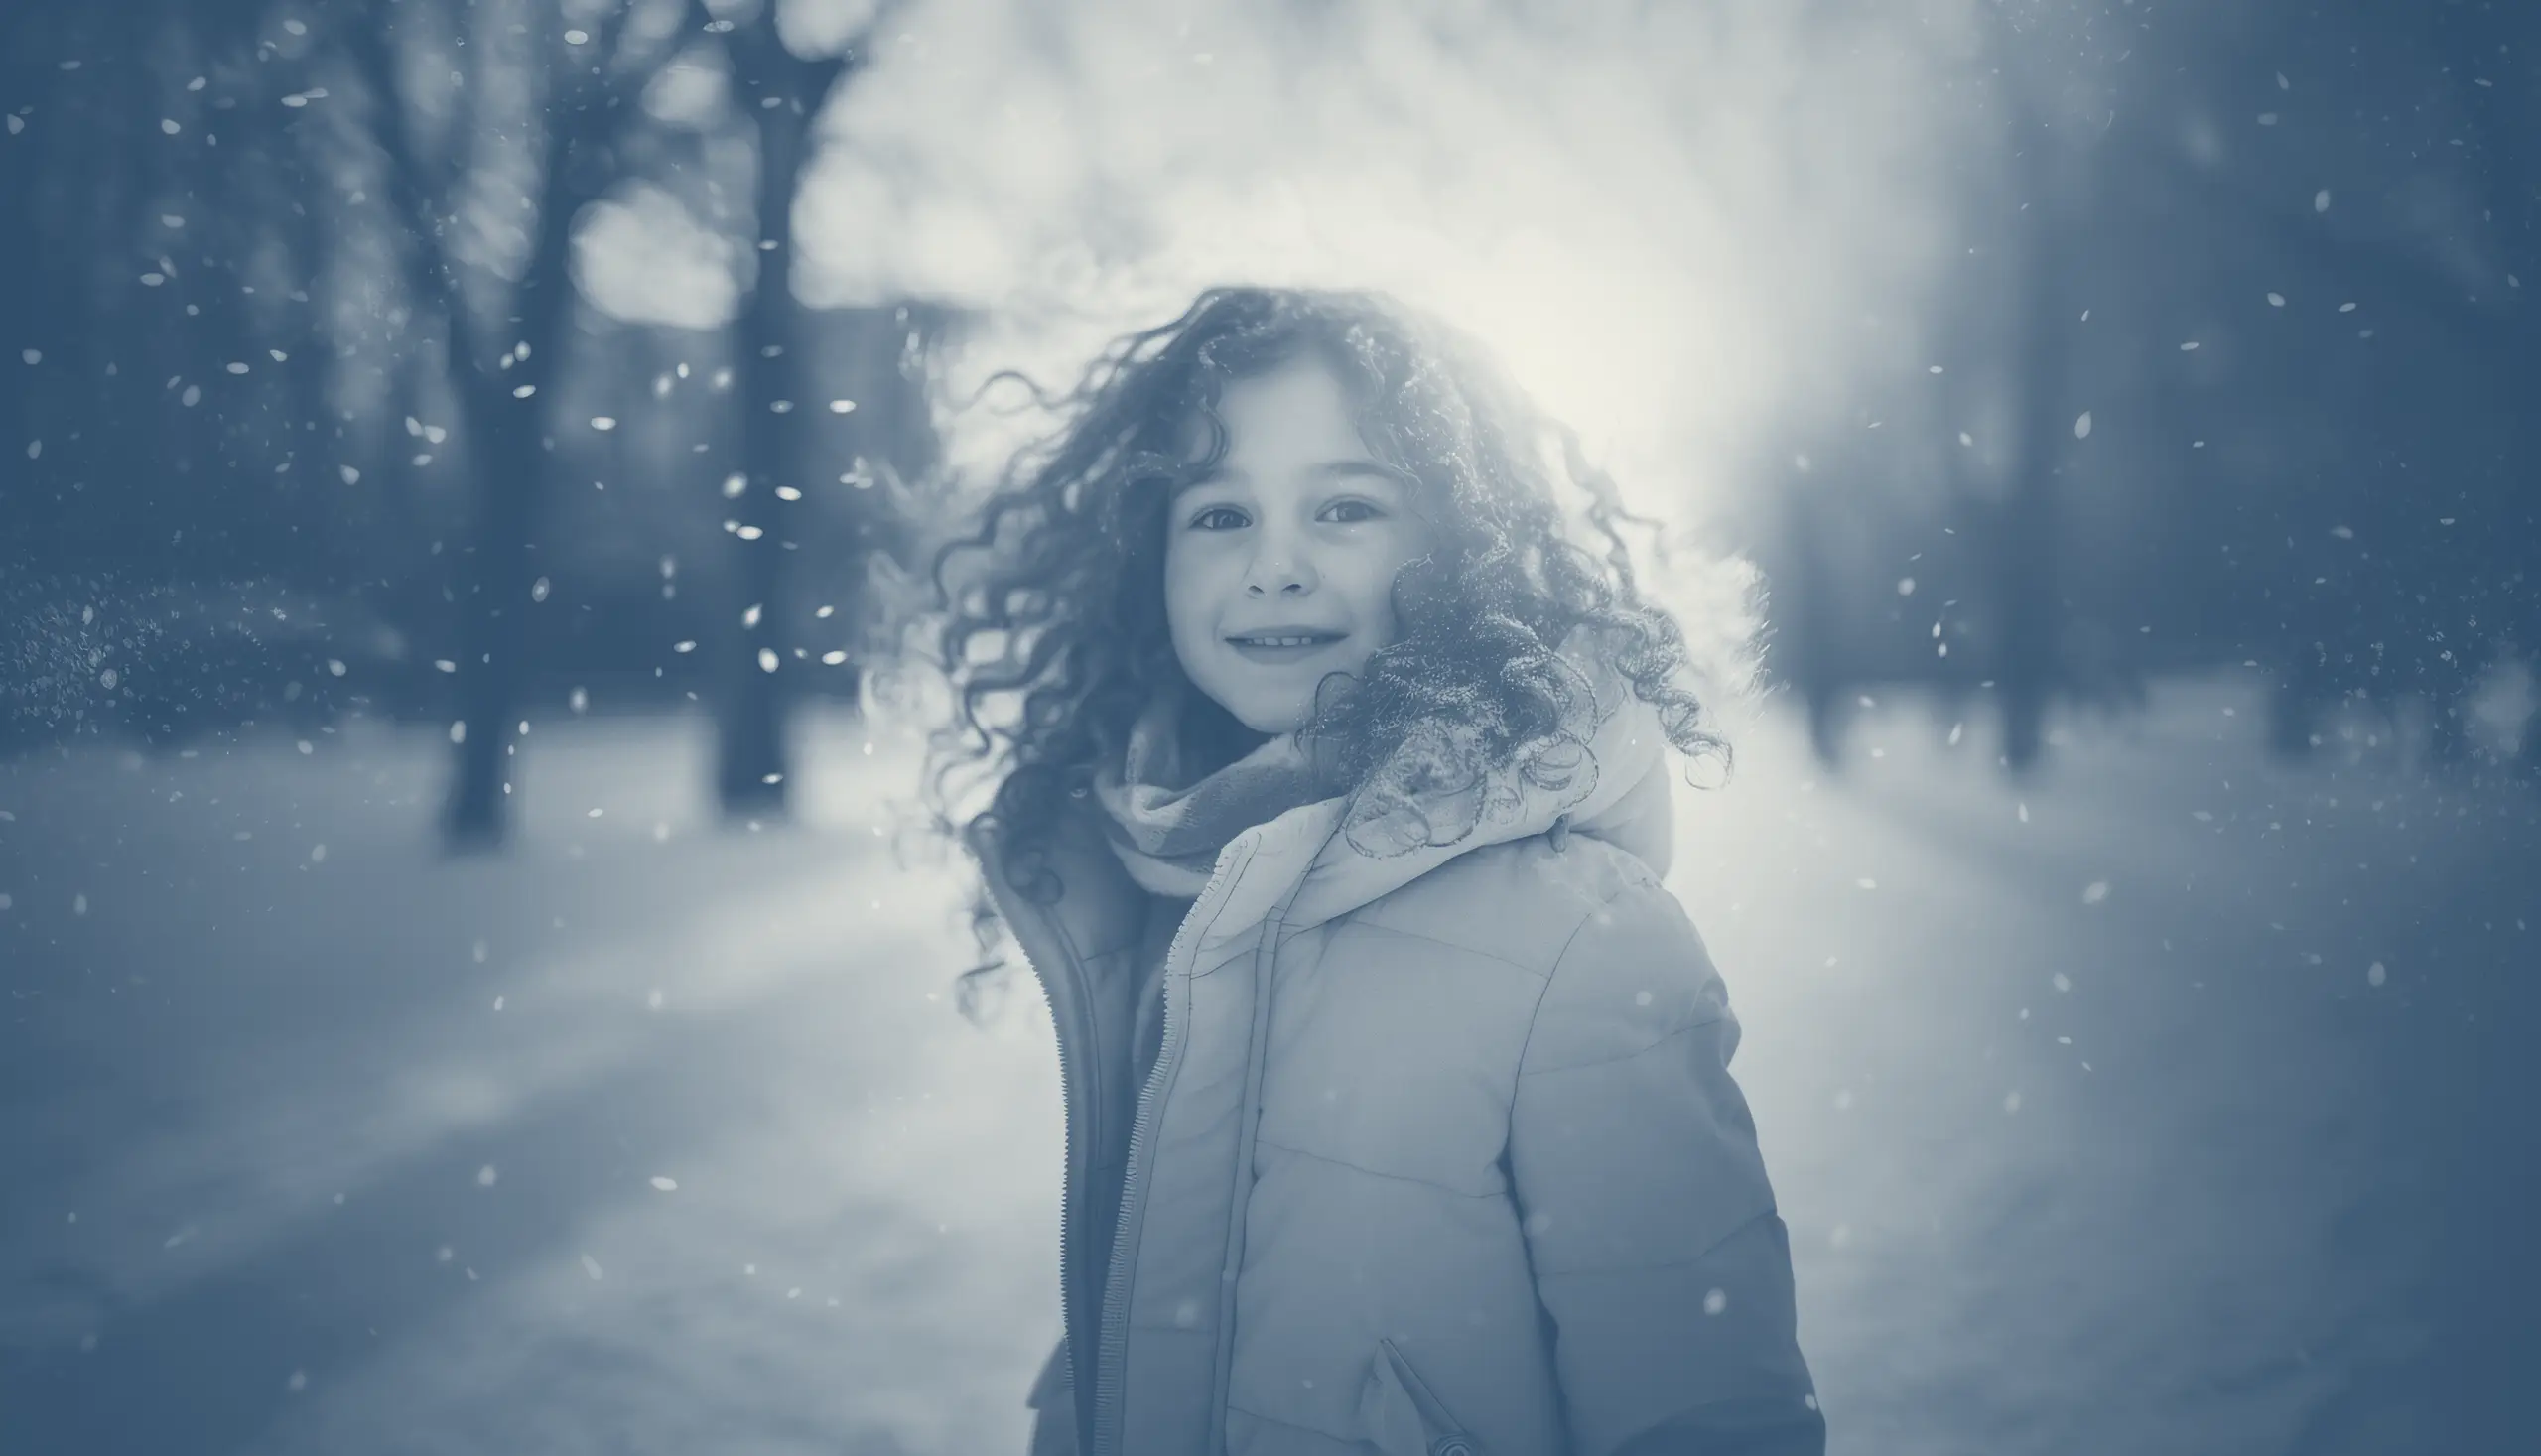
[
  {"x": 1053, "y": 1433},
  {"x": 1053, "y": 1404},
  {"x": 1403, "y": 1416}
]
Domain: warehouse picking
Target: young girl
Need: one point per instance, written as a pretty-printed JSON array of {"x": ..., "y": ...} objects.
[{"x": 1332, "y": 824}]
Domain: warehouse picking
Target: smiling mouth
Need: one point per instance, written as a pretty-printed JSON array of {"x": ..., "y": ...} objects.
[
  {"x": 1289, "y": 639},
  {"x": 1283, "y": 646}
]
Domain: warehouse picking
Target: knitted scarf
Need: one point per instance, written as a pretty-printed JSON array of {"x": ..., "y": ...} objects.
[{"x": 1166, "y": 828}]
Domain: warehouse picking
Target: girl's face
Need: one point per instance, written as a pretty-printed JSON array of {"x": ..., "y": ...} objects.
[{"x": 1297, "y": 535}]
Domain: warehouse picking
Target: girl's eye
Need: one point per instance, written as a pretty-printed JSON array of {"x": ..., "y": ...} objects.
[
  {"x": 1201, "y": 522},
  {"x": 1367, "y": 511}
]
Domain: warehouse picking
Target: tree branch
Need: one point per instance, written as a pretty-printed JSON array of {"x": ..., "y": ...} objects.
[{"x": 369, "y": 39}]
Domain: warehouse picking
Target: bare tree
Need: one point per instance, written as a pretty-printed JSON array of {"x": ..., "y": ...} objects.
[
  {"x": 2025, "y": 539},
  {"x": 502, "y": 393},
  {"x": 782, "y": 91}
]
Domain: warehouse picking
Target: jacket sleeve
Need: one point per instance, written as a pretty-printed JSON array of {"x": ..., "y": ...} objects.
[{"x": 1657, "y": 1254}]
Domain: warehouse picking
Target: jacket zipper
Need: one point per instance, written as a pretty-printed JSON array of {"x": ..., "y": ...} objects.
[
  {"x": 1072, "y": 1098},
  {"x": 1069, "y": 1190},
  {"x": 1112, "y": 1334},
  {"x": 1239, "y": 1211}
]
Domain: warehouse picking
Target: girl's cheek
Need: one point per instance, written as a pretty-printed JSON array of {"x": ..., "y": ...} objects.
[{"x": 1195, "y": 563}]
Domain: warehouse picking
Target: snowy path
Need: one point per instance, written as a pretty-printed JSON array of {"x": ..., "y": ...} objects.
[
  {"x": 233, "y": 1035},
  {"x": 2207, "y": 1222},
  {"x": 2094, "y": 1126}
]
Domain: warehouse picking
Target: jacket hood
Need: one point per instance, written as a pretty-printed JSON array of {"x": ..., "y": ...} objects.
[{"x": 1618, "y": 792}]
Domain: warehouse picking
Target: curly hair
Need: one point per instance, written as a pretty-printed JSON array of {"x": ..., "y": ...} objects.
[{"x": 1061, "y": 578}]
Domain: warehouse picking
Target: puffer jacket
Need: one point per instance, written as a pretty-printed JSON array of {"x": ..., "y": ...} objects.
[{"x": 1440, "y": 1152}]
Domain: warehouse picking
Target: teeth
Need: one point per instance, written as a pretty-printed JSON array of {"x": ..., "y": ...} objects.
[{"x": 1279, "y": 641}]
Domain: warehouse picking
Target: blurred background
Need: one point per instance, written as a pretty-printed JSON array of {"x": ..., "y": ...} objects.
[{"x": 474, "y": 979}]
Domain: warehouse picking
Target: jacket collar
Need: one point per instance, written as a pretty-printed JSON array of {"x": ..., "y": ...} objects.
[
  {"x": 1618, "y": 792},
  {"x": 1623, "y": 799}
]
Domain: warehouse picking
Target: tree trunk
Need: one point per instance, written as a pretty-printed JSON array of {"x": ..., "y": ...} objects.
[
  {"x": 750, "y": 769},
  {"x": 507, "y": 456},
  {"x": 782, "y": 92},
  {"x": 1812, "y": 659},
  {"x": 2025, "y": 560}
]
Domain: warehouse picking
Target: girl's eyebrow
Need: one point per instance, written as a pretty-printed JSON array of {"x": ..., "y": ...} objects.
[
  {"x": 1361, "y": 468},
  {"x": 1357, "y": 467}
]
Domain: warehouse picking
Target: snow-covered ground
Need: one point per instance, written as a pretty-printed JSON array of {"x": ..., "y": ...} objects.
[{"x": 2168, "y": 1102}]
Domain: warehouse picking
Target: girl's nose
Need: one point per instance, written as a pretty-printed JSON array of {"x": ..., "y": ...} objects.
[{"x": 1285, "y": 573}]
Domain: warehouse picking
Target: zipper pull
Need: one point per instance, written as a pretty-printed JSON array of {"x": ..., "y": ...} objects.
[{"x": 1559, "y": 835}]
